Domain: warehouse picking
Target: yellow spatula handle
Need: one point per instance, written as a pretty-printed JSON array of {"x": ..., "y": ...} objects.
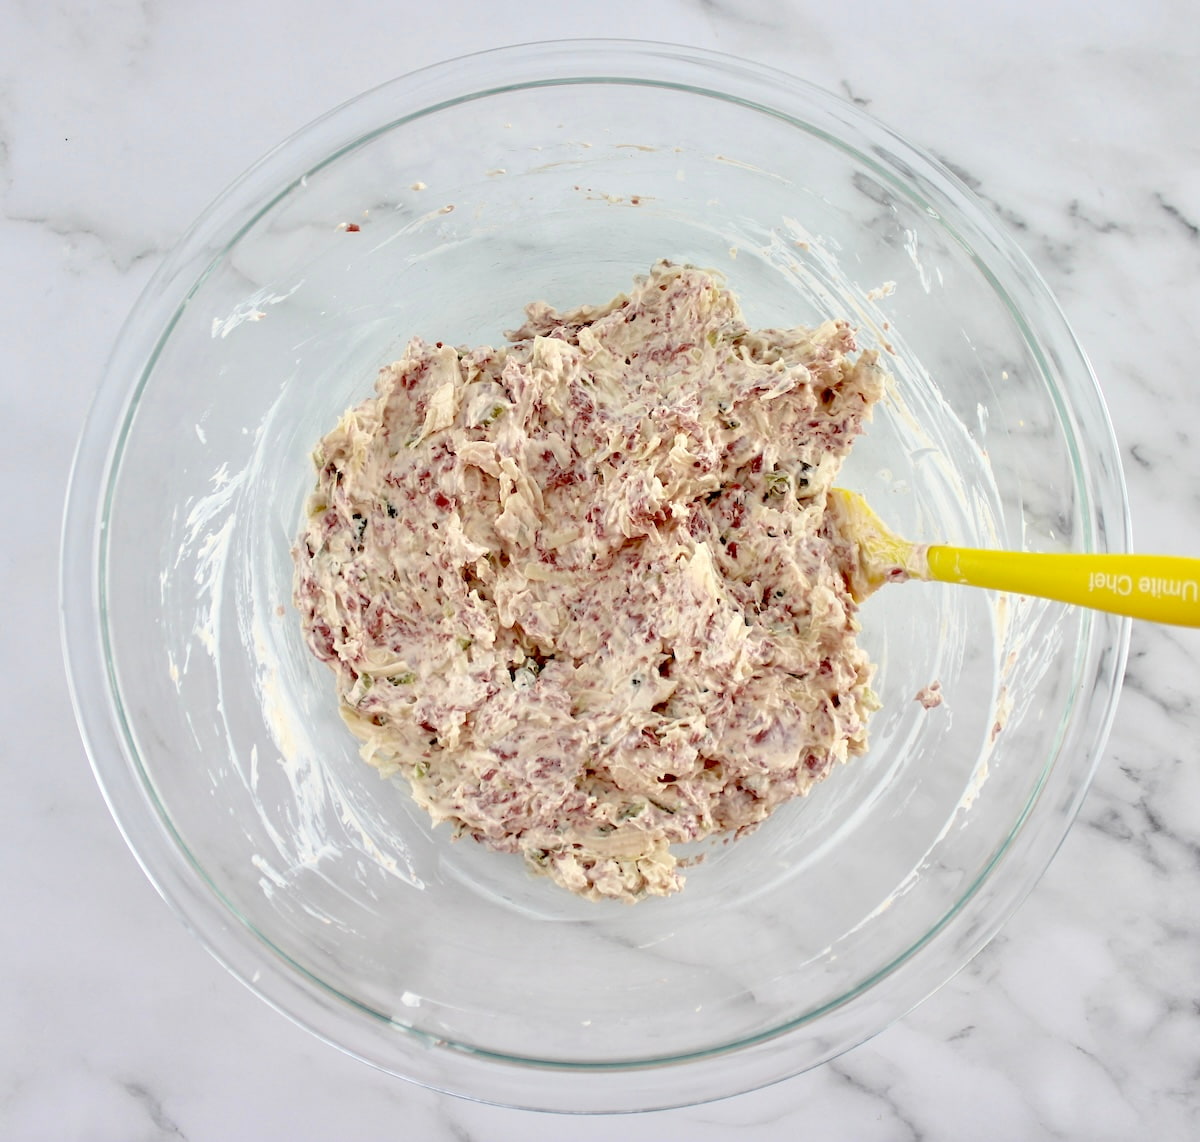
[{"x": 1162, "y": 588}]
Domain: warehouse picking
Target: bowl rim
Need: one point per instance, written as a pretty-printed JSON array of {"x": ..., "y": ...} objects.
[{"x": 545, "y": 1084}]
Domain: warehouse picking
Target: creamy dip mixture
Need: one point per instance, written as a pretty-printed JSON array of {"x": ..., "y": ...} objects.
[
  {"x": 930, "y": 696},
  {"x": 582, "y": 591}
]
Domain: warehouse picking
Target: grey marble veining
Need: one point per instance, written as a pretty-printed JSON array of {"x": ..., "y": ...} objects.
[{"x": 1075, "y": 122}]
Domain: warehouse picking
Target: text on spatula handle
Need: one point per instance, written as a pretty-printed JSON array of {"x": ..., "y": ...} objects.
[{"x": 1156, "y": 588}]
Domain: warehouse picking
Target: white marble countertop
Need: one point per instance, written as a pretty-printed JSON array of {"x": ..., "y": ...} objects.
[{"x": 1077, "y": 122}]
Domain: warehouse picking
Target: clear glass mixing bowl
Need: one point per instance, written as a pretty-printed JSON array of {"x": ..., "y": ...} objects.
[{"x": 440, "y": 204}]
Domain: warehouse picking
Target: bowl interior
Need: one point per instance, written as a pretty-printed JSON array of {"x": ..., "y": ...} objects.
[{"x": 563, "y": 188}]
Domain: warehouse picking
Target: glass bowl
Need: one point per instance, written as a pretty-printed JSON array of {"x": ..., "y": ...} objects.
[{"x": 439, "y": 205}]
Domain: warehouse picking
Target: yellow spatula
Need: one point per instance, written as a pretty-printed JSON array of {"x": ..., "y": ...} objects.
[{"x": 1162, "y": 588}]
